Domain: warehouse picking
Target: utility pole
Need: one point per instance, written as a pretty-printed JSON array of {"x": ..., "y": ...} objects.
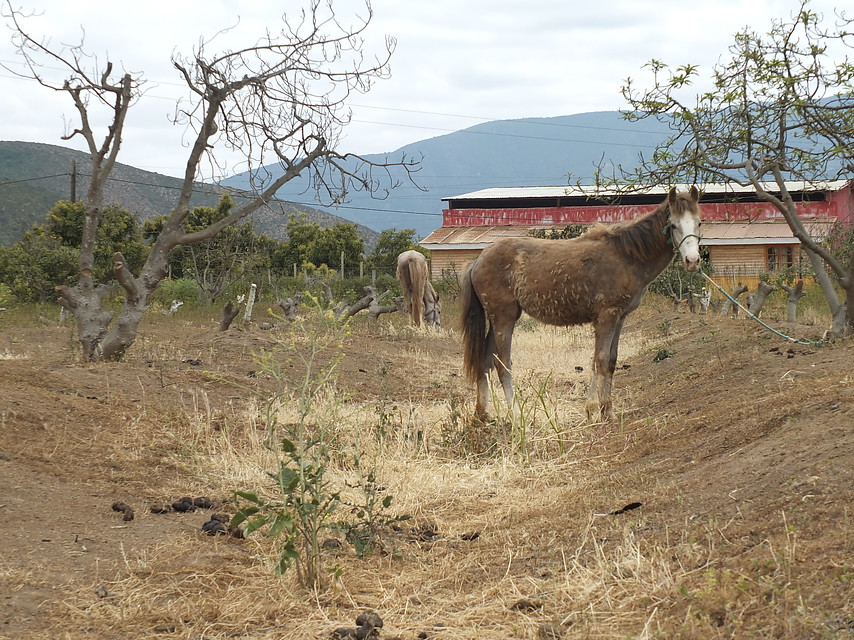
[{"x": 74, "y": 181}]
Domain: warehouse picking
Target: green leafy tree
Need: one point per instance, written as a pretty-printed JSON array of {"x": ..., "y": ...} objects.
[
  {"x": 301, "y": 235},
  {"x": 331, "y": 242},
  {"x": 224, "y": 259},
  {"x": 308, "y": 242},
  {"x": 33, "y": 266},
  {"x": 779, "y": 108},
  {"x": 119, "y": 230},
  {"x": 569, "y": 231},
  {"x": 391, "y": 243},
  {"x": 44, "y": 257}
]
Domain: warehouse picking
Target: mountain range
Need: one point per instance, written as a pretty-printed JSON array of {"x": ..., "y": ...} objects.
[
  {"x": 34, "y": 176},
  {"x": 501, "y": 153}
]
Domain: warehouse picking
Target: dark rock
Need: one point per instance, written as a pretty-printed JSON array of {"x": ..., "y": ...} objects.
[
  {"x": 629, "y": 507},
  {"x": 369, "y": 618},
  {"x": 125, "y": 509}
]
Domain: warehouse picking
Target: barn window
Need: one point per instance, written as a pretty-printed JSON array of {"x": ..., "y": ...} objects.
[{"x": 780, "y": 258}]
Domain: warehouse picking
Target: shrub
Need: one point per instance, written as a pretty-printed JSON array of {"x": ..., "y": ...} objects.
[{"x": 184, "y": 289}]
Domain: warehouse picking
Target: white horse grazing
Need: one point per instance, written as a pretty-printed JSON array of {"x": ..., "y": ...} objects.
[{"x": 419, "y": 295}]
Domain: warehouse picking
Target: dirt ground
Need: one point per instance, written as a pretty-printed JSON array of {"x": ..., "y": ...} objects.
[{"x": 737, "y": 434}]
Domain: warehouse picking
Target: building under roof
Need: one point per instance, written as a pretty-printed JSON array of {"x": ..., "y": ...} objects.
[{"x": 745, "y": 235}]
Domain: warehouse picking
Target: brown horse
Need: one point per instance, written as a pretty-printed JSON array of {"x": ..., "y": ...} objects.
[
  {"x": 419, "y": 295},
  {"x": 598, "y": 277}
]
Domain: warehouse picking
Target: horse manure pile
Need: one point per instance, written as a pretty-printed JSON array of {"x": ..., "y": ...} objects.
[
  {"x": 218, "y": 524},
  {"x": 368, "y": 625}
]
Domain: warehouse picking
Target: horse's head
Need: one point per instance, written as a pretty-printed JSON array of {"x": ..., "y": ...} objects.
[
  {"x": 433, "y": 312},
  {"x": 685, "y": 226}
]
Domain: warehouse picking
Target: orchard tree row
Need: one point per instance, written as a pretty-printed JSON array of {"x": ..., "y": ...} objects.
[{"x": 48, "y": 254}]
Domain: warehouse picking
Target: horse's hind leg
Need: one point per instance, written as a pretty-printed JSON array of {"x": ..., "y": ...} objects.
[
  {"x": 482, "y": 406},
  {"x": 503, "y": 359}
]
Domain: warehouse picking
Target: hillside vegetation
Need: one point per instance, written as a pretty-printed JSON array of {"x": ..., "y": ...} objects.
[{"x": 34, "y": 176}]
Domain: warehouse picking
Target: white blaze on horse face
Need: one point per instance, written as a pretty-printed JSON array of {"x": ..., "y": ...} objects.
[{"x": 686, "y": 236}]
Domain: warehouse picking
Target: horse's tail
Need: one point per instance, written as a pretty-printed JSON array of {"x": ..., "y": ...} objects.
[
  {"x": 473, "y": 328},
  {"x": 418, "y": 280}
]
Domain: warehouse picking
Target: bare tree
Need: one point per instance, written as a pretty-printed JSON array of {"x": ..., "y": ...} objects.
[
  {"x": 281, "y": 99},
  {"x": 729, "y": 303},
  {"x": 794, "y": 294},
  {"x": 756, "y": 301},
  {"x": 780, "y": 110}
]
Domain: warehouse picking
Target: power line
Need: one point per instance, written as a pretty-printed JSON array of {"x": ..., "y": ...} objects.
[
  {"x": 522, "y": 120},
  {"x": 58, "y": 175}
]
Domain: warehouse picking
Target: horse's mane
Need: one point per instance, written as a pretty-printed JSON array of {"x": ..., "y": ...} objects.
[{"x": 640, "y": 238}]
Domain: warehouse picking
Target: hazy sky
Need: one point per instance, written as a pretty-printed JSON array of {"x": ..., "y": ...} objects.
[{"x": 457, "y": 62}]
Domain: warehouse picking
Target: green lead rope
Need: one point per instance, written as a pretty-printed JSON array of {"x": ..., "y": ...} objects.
[{"x": 813, "y": 343}]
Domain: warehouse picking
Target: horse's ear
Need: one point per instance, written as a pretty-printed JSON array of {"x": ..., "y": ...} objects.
[
  {"x": 695, "y": 193},
  {"x": 671, "y": 195}
]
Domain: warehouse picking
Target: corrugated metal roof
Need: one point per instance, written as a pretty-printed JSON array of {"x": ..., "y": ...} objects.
[
  {"x": 590, "y": 191},
  {"x": 478, "y": 236},
  {"x": 723, "y": 233}
]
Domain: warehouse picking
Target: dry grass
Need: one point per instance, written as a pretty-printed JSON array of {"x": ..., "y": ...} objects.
[
  {"x": 438, "y": 586},
  {"x": 526, "y": 547}
]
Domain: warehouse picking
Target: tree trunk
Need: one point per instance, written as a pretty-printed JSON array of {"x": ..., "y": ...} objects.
[
  {"x": 841, "y": 323},
  {"x": 795, "y": 294},
  {"x": 327, "y": 293},
  {"x": 376, "y": 310},
  {"x": 229, "y": 313},
  {"x": 100, "y": 339},
  {"x": 345, "y": 312},
  {"x": 84, "y": 301},
  {"x": 290, "y": 307},
  {"x": 725, "y": 309},
  {"x": 758, "y": 301},
  {"x": 848, "y": 285}
]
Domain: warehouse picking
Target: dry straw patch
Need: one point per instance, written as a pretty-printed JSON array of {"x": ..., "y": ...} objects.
[
  {"x": 506, "y": 561},
  {"x": 523, "y": 544}
]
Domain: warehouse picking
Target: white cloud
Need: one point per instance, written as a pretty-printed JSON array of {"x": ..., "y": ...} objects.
[{"x": 456, "y": 63}]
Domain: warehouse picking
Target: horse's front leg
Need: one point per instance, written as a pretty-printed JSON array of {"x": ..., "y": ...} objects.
[{"x": 607, "y": 331}]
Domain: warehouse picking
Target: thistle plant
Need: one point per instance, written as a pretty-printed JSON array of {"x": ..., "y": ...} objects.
[{"x": 306, "y": 499}]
